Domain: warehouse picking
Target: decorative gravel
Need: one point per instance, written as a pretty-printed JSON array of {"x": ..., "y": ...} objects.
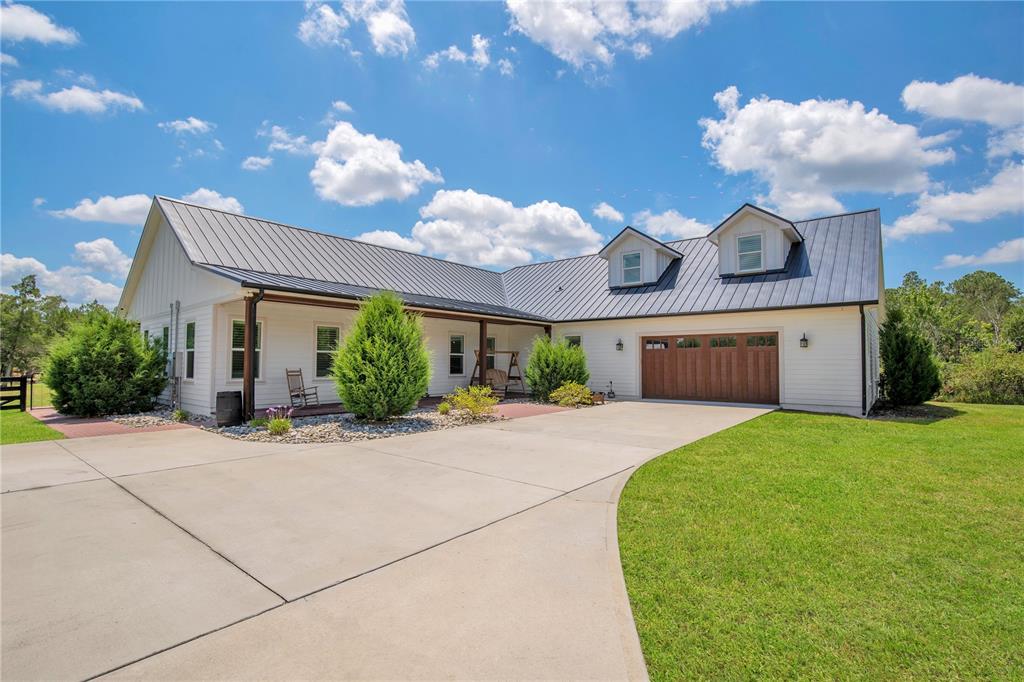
[
  {"x": 158, "y": 417},
  {"x": 343, "y": 428}
]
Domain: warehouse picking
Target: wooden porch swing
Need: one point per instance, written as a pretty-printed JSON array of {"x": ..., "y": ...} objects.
[{"x": 500, "y": 380}]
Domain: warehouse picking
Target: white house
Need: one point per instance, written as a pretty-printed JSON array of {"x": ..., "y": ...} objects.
[{"x": 761, "y": 310}]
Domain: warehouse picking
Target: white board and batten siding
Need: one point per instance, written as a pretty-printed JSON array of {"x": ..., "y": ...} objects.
[
  {"x": 824, "y": 377},
  {"x": 775, "y": 246},
  {"x": 652, "y": 261}
]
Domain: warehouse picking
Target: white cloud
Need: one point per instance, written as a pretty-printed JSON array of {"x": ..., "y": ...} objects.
[
  {"x": 968, "y": 98},
  {"x": 479, "y": 55},
  {"x": 70, "y": 282},
  {"x": 131, "y": 209},
  {"x": 257, "y": 163},
  {"x": 808, "y": 152},
  {"x": 38, "y": 201},
  {"x": 671, "y": 223},
  {"x": 479, "y": 229},
  {"x": 934, "y": 212},
  {"x": 74, "y": 98},
  {"x": 283, "y": 141},
  {"x": 192, "y": 125},
  {"x": 606, "y": 211},
  {"x": 21, "y": 22},
  {"x": 391, "y": 240},
  {"x": 1011, "y": 251},
  {"x": 356, "y": 169},
  {"x": 103, "y": 254},
  {"x": 451, "y": 53},
  {"x": 506, "y": 67},
  {"x": 322, "y": 25},
  {"x": 590, "y": 32},
  {"x": 387, "y": 23},
  {"x": 341, "y": 106},
  {"x": 8, "y": 60},
  {"x": 214, "y": 199},
  {"x": 1006, "y": 143}
]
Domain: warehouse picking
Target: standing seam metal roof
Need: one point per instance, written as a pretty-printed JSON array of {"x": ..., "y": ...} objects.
[{"x": 837, "y": 263}]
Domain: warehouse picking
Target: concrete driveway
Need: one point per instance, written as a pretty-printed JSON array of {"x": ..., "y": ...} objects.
[{"x": 481, "y": 552}]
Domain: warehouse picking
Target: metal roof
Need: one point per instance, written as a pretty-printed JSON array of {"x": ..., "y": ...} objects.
[{"x": 837, "y": 263}]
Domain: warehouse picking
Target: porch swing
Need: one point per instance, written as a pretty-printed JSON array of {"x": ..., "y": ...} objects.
[{"x": 500, "y": 380}]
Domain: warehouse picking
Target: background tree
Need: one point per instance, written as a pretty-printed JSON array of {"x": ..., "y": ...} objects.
[
  {"x": 21, "y": 325},
  {"x": 382, "y": 368},
  {"x": 987, "y": 297},
  {"x": 910, "y": 374},
  {"x": 1013, "y": 328}
]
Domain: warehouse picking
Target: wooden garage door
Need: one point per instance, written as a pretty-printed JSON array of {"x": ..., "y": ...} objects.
[{"x": 742, "y": 368}]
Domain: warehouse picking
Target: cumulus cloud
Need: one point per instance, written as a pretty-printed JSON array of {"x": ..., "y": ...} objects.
[
  {"x": 606, "y": 211},
  {"x": 70, "y": 282},
  {"x": 670, "y": 224},
  {"x": 506, "y": 67},
  {"x": 451, "y": 54},
  {"x": 591, "y": 32},
  {"x": 8, "y": 60},
  {"x": 479, "y": 54},
  {"x": 391, "y": 239},
  {"x": 1010, "y": 251},
  {"x": 808, "y": 152},
  {"x": 130, "y": 209},
  {"x": 283, "y": 141},
  {"x": 479, "y": 229},
  {"x": 257, "y": 163},
  {"x": 1003, "y": 195},
  {"x": 38, "y": 201},
  {"x": 341, "y": 106},
  {"x": 322, "y": 25},
  {"x": 356, "y": 169},
  {"x": 386, "y": 22},
  {"x": 21, "y": 22},
  {"x": 190, "y": 125},
  {"x": 214, "y": 199},
  {"x": 103, "y": 254},
  {"x": 74, "y": 98}
]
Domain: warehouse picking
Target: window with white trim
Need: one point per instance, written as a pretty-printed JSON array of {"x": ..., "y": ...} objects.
[
  {"x": 238, "y": 349},
  {"x": 574, "y": 340},
  {"x": 456, "y": 355},
  {"x": 749, "y": 253},
  {"x": 631, "y": 271},
  {"x": 190, "y": 350},
  {"x": 326, "y": 343}
]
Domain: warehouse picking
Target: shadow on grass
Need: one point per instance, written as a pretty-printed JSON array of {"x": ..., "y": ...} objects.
[{"x": 929, "y": 413}]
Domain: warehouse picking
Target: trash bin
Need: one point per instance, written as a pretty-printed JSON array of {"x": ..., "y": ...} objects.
[{"x": 229, "y": 408}]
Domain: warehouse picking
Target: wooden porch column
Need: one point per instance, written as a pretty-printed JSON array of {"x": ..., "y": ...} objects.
[
  {"x": 249, "y": 357},
  {"x": 482, "y": 378}
]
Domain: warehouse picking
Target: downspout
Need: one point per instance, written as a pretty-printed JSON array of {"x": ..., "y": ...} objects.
[
  {"x": 863, "y": 368},
  {"x": 175, "y": 382}
]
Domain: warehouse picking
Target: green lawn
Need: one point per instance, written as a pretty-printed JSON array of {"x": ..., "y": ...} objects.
[
  {"x": 20, "y": 427},
  {"x": 800, "y": 545}
]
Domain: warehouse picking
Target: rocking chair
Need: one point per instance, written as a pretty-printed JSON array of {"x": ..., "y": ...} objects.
[{"x": 297, "y": 391}]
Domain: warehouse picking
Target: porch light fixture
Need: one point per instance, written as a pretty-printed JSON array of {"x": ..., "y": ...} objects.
[
  {"x": 618, "y": 345},
  {"x": 803, "y": 340}
]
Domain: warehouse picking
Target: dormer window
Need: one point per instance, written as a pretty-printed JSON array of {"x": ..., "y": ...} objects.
[
  {"x": 750, "y": 253},
  {"x": 631, "y": 271}
]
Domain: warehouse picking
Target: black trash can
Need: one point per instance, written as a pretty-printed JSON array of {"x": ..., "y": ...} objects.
[{"x": 229, "y": 408}]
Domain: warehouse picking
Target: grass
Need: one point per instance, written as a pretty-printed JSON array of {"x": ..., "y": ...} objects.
[
  {"x": 21, "y": 427},
  {"x": 799, "y": 545}
]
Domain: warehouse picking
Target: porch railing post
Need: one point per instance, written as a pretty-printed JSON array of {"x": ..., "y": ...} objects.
[
  {"x": 482, "y": 378},
  {"x": 249, "y": 357}
]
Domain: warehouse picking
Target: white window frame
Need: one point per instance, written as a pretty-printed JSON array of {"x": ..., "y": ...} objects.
[
  {"x": 187, "y": 350},
  {"x": 639, "y": 268},
  {"x": 452, "y": 335},
  {"x": 760, "y": 252},
  {"x": 578, "y": 337},
  {"x": 316, "y": 351},
  {"x": 262, "y": 349}
]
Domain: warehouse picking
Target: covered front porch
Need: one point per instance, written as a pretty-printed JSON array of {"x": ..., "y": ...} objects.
[{"x": 266, "y": 333}]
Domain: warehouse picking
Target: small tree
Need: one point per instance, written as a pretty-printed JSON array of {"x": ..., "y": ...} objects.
[
  {"x": 104, "y": 366},
  {"x": 552, "y": 364},
  {"x": 910, "y": 373},
  {"x": 382, "y": 368}
]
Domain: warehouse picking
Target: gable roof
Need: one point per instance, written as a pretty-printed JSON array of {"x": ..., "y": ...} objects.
[
  {"x": 629, "y": 231},
  {"x": 836, "y": 264},
  {"x": 751, "y": 208}
]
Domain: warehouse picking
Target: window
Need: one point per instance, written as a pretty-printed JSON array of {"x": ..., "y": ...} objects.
[
  {"x": 723, "y": 342},
  {"x": 760, "y": 340},
  {"x": 656, "y": 344},
  {"x": 748, "y": 250},
  {"x": 326, "y": 344},
  {"x": 238, "y": 348},
  {"x": 631, "y": 268},
  {"x": 190, "y": 350},
  {"x": 574, "y": 340},
  {"x": 688, "y": 342},
  {"x": 456, "y": 354},
  {"x": 490, "y": 352}
]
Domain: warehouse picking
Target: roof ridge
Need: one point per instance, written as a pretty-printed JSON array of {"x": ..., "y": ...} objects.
[{"x": 838, "y": 215}]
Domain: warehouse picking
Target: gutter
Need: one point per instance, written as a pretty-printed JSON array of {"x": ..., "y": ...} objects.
[{"x": 863, "y": 367}]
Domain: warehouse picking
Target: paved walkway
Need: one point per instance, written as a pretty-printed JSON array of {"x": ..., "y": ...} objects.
[
  {"x": 485, "y": 551},
  {"x": 87, "y": 427}
]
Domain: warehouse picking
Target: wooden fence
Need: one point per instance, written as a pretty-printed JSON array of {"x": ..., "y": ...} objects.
[{"x": 14, "y": 393}]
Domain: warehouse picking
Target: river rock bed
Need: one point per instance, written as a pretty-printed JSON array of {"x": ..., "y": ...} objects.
[{"x": 157, "y": 417}]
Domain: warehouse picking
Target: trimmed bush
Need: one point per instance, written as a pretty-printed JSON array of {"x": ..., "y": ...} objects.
[
  {"x": 571, "y": 394},
  {"x": 994, "y": 375},
  {"x": 474, "y": 401},
  {"x": 910, "y": 374},
  {"x": 382, "y": 368},
  {"x": 105, "y": 366},
  {"x": 444, "y": 408},
  {"x": 180, "y": 415},
  {"x": 552, "y": 364}
]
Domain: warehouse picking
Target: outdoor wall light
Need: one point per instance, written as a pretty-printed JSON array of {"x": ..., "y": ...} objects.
[
  {"x": 618, "y": 345},
  {"x": 803, "y": 340}
]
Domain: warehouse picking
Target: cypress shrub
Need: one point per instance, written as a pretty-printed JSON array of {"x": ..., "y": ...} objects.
[
  {"x": 552, "y": 364},
  {"x": 105, "y": 366},
  {"x": 382, "y": 367},
  {"x": 910, "y": 374}
]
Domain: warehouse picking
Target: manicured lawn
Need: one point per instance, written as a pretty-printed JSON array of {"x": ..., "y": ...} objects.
[
  {"x": 799, "y": 545},
  {"x": 21, "y": 427}
]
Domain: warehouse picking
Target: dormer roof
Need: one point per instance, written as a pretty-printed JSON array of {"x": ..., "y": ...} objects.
[
  {"x": 785, "y": 225},
  {"x": 633, "y": 232}
]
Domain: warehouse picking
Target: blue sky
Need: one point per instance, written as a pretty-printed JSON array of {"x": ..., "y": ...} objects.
[{"x": 498, "y": 150}]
